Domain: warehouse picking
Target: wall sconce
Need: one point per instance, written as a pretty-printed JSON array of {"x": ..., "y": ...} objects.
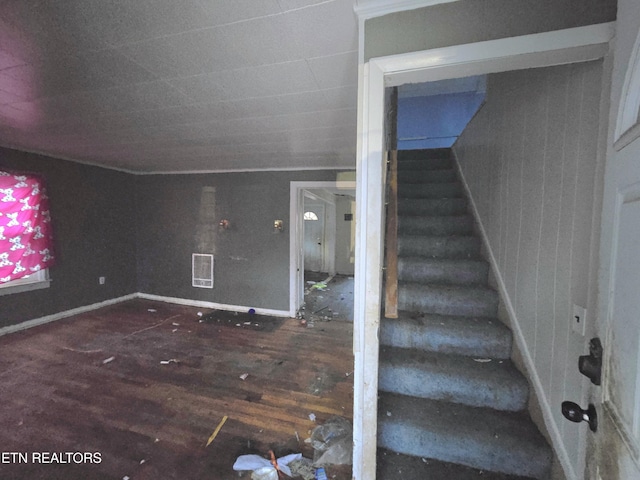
[
  {"x": 278, "y": 226},
  {"x": 224, "y": 224}
]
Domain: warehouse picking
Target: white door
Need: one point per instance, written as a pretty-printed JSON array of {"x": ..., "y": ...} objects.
[
  {"x": 618, "y": 437},
  {"x": 313, "y": 237}
]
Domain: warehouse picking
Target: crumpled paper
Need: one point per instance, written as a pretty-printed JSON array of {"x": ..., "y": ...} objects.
[{"x": 254, "y": 462}]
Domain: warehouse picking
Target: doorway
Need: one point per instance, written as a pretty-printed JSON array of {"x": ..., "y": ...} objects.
[
  {"x": 528, "y": 51},
  {"x": 325, "y": 245}
]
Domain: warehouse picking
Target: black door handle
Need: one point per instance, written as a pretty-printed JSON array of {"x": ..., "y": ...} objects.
[{"x": 573, "y": 412}]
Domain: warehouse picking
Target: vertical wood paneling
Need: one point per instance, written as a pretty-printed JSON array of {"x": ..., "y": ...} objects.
[{"x": 529, "y": 158}]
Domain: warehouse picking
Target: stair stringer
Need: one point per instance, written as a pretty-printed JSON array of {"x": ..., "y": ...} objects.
[{"x": 539, "y": 408}]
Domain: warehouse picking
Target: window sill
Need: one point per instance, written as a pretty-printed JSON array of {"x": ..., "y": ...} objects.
[{"x": 24, "y": 287}]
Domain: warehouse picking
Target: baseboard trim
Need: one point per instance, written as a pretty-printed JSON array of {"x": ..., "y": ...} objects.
[
  {"x": 552, "y": 427},
  {"x": 213, "y": 305},
  {"x": 177, "y": 301},
  {"x": 61, "y": 315}
]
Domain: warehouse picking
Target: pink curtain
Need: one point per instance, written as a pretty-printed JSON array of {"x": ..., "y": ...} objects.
[{"x": 25, "y": 226}]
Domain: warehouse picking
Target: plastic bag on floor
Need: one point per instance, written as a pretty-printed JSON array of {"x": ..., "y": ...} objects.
[
  {"x": 257, "y": 463},
  {"x": 332, "y": 442}
]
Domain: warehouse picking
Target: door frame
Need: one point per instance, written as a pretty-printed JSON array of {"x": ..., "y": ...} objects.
[
  {"x": 528, "y": 51},
  {"x": 296, "y": 234}
]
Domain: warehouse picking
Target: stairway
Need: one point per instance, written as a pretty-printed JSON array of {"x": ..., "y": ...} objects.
[{"x": 449, "y": 393}]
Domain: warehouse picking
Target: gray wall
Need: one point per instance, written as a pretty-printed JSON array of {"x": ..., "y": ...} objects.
[
  {"x": 469, "y": 21},
  {"x": 251, "y": 261},
  {"x": 140, "y": 231},
  {"x": 94, "y": 235},
  {"x": 530, "y": 158}
]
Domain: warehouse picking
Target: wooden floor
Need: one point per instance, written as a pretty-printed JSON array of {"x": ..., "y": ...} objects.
[{"x": 95, "y": 383}]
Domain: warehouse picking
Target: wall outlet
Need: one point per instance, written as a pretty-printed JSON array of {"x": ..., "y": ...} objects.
[
  {"x": 579, "y": 319},
  {"x": 101, "y": 280}
]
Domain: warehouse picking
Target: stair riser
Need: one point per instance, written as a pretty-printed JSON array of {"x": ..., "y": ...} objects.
[
  {"x": 435, "y": 226},
  {"x": 442, "y": 385},
  {"x": 458, "y": 273},
  {"x": 439, "y": 247},
  {"x": 419, "y": 298},
  {"x": 427, "y": 176},
  {"x": 438, "y": 336},
  {"x": 430, "y": 206},
  {"x": 431, "y": 190}
]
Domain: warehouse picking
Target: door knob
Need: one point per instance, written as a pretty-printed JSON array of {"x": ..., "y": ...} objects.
[{"x": 573, "y": 412}]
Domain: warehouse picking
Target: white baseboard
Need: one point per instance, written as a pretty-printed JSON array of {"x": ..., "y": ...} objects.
[
  {"x": 59, "y": 316},
  {"x": 216, "y": 306},
  {"x": 178, "y": 301},
  {"x": 547, "y": 413}
]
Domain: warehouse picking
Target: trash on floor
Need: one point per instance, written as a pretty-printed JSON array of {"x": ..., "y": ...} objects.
[
  {"x": 264, "y": 469},
  {"x": 318, "y": 286},
  {"x": 244, "y": 376},
  {"x": 167, "y": 362},
  {"x": 303, "y": 467},
  {"x": 332, "y": 442},
  {"x": 108, "y": 360},
  {"x": 216, "y": 431},
  {"x": 321, "y": 474}
]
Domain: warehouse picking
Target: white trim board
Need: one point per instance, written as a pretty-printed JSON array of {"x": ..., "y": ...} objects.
[
  {"x": 527, "y": 51},
  {"x": 212, "y": 305},
  {"x": 61, "y": 315},
  {"x": 366, "y": 9}
]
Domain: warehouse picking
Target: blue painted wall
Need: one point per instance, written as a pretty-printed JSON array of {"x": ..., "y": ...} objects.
[{"x": 435, "y": 121}]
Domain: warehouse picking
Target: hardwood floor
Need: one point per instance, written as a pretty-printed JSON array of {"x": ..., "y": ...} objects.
[{"x": 96, "y": 384}]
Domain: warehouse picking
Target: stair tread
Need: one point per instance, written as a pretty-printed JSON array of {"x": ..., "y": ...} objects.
[
  {"x": 442, "y": 376},
  {"x": 393, "y": 465},
  {"x": 462, "y": 335},
  {"x": 480, "y": 437}
]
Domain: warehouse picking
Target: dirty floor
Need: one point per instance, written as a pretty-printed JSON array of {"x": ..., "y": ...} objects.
[
  {"x": 136, "y": 390},
  {"x": 328, "y": 298}
]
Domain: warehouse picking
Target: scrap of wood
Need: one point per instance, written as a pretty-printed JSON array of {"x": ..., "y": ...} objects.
[
  {"x": 152, "y": 326},
  {"x": 216, "y": 431}
]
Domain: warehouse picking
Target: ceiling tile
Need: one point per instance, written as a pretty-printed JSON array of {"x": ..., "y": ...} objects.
[
  {"x": 325, "y": 29},
  {"x": 269, "y": 80},
  {"x": 295, "y": 4},
  {"x": 335, "y": 70}
]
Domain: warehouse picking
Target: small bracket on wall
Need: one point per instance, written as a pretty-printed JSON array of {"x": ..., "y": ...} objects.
[
  {"x": 591, "y": 365},
  {"x": 278, "y": 226}
]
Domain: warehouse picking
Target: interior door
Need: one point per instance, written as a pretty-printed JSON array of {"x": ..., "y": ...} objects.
[
  {"x": 618, "y": 437},
  {"x": 313, "y": 237}
]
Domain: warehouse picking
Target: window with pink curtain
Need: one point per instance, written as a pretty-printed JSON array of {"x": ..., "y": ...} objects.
[{"x": 26, "y": 244}]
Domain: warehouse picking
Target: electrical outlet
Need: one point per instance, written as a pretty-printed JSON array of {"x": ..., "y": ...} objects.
[
  {"x": 101, "y": 280},
  {"x": 579, "y": 319}
]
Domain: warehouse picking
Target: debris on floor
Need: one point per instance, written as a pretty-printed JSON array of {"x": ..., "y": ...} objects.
[
  {"x": 108, "y": 360},
  {"x": 167, "y": 362},
  {"x": 303, "y": 467},
  {"x": 332, "y": 442},
  {"x": 244, "y": 376},
  {"x": 216, "y": 431},
  {"x": 266, "y": 469}
]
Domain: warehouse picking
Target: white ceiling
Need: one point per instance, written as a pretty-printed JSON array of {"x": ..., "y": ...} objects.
[{"x": 181, "y": 85}]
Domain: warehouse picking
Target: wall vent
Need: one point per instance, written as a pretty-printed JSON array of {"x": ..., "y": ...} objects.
[{"x": 202, "y": 270}]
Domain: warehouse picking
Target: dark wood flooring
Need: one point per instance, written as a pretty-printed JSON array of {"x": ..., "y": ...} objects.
[{"x": 151, "y": 421}]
